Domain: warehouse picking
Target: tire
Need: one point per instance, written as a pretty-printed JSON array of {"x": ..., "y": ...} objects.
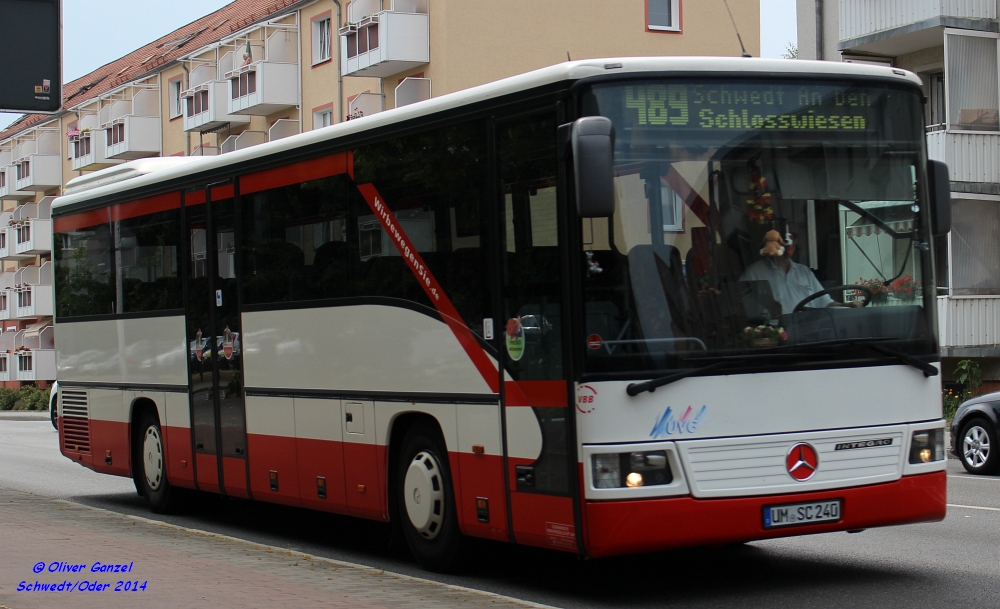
[
  {"x": 425, "y": 499},
  {"x": 54, "y": 405},
  {"x": 977, "y": 447},
  {"x": 150, "y": 466}
]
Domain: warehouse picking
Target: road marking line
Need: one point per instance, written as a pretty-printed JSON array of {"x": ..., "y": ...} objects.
[
  {"x": 974, "y": 507},
  {"x": 334, "y": 561},
  {"x": 977, "y": 478}
]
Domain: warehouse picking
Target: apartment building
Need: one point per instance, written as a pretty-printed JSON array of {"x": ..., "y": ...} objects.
[
  {"x": 953, "y": 46},
  {"x": 260, "y": 70}
]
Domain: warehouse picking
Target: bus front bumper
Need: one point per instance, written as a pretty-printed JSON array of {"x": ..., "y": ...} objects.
[{"x": 626, "y": 527}]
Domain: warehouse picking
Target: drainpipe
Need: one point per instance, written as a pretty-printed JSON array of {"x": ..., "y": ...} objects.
[
  {"x": 340, "y": 78},
  {"x": 187, "y": 136},
  {"x": 819, "y": 29}
]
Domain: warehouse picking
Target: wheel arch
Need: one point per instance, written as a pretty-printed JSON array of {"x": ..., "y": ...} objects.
[
  {"x": 399, "y": 425},
  {"x": 984, "y": 410}
]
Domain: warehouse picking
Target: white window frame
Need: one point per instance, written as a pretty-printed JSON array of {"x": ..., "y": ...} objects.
[
  {"x": 667, "y": 193},
  {"x": 675, "y": 15},
  {"x": 174, "y": 88},
  {"x": 318, "y": 122},
  {"x": 318, "y": 27}
]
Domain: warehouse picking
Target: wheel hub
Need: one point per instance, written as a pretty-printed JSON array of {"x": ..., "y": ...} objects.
[
  {"x": 152, "y": 458},
  {"x": 423, "y": 490},
  {"x": 976, "y": 446}
]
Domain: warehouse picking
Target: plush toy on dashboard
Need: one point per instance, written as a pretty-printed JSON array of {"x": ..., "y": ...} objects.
[{"x": 774, "y": 245}]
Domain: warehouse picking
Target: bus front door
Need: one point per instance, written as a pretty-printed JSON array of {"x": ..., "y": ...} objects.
[{"x": 215, "y": 358}]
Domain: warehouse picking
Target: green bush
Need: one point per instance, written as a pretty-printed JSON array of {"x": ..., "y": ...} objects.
[
  {"x": 970, "y": 375},
  {"x": 25, "y": 398}
]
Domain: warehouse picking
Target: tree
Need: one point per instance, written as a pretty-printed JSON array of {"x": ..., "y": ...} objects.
[{"x": 791, "y": 51}]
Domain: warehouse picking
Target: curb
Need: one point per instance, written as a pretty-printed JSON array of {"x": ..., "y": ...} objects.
[
  {"x": 338, "y": 563},
  {"x": 24, "y": 415}
]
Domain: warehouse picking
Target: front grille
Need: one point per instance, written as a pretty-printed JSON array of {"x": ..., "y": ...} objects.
[
  {"x": 756, "y": 466},
  {"x": 75, "y": 415}
]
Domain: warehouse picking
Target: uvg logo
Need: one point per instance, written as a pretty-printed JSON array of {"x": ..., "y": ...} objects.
[{"x": 669, "y": 424}]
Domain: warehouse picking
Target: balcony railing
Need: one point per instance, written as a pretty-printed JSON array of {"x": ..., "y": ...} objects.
[
  {"x": 269, "y": 84},
  {"x": 971, "y": 157},
  {"x": 132, "y": 126},
  {"x": 32, "y": 292},
  {"x": 385, "y": 42},
  {"x": 89, "y": 151},
  {"x": 965, "y": 322},
  {"x": 860, "y": 18}
]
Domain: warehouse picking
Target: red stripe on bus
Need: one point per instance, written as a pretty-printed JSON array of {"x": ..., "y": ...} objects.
[
  {"x": 313, "y": 169},
  {"x": 219, "y": 193},
  {"x": 541, "y": 394},
  {"x": 64, "y": 224},
  {"x": 431, "y": 286},
  {"x": 144, "y": 207}
]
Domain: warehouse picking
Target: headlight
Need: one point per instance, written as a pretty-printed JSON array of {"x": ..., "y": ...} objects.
[
  {"x": 632, "y": 469},
  {"x": 927, "y": 445}
]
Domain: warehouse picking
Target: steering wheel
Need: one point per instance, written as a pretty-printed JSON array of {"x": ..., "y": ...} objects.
[{"x": 834, "y": 290}]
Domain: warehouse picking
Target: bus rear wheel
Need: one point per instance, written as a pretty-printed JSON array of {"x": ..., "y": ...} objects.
[
  {"x": 426, "y": 500},
  {"x": 151, "y": 466}
]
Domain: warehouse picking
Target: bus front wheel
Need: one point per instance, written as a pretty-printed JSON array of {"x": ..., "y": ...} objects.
[
  {"x": 152, "y": 466},
  {"x": 426, "y": 500}
]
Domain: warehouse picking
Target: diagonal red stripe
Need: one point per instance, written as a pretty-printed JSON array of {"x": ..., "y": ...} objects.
[{"x": 431, "y": 286}]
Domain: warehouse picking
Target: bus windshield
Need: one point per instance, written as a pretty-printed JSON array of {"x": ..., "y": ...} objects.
[{"x": 774, "y": 223}]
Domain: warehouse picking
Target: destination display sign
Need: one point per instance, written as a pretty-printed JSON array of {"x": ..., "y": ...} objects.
[{"x": 743, "y": 106}]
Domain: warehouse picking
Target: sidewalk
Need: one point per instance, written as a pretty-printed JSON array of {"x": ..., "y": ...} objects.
[{"x": 186, "y": 568}]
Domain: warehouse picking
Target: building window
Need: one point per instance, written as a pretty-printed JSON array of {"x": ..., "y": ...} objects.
[
  {"x": 975, "y": 253},
  {"x": 322, "y": 41},
  {"x": 323, "y": 117},
  {"x": 663, "y": 15},
  {"x": 971, "y": 73},
  {"x": 174, "y": 88},
  {"x": 673, "y": 209}
]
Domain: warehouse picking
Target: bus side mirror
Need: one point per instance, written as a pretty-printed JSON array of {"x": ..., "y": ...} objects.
[
  {"x": 593, "y": 141},
  {"x": 940, "y": 188}
]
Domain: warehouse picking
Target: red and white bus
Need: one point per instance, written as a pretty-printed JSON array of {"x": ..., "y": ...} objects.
[{"x": 606, "y": 307}]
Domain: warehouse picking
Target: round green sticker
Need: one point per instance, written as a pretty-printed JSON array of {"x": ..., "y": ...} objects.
[{"x": 514, "y": 337}]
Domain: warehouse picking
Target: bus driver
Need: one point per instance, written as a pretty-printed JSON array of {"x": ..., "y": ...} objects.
[{"x": 790, "y": 282}]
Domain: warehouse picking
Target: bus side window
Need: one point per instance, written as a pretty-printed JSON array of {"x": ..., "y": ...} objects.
[{"x": 531, "y": 272}]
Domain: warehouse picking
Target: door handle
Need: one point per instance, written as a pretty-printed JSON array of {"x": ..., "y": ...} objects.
[
  {"x": 199, "y": 446},
  {"x": 239, "y": 450},
  {"x": 349, "y": 417}
]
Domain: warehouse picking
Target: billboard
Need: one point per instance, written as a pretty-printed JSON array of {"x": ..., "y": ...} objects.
[{"x": 31, "y": 56}]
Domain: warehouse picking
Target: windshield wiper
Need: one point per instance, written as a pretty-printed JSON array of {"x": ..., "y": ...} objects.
[
  {"x": 651, "y": 385},
  {"x": 871, "y": 343}
]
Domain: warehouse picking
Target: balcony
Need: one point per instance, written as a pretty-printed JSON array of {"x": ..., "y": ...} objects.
[
  {"x": 896, "y": 27},
  {"x": 205, "y": 103},
  {"x": 971, "y": 157},
  {"x": 28, "y": 355},
  {"x": 8, "y": 177},
  {"x": 29, "y": 230},
  {"x": 32, "y": 292},
  {"x": 8, "y": 297},
  {"x": 36, "y": 162},
  {"x": 87, "y": 146},
  {"x": 132, "y": 126},
  {"x": 382, "y": 43},
  {"x": 268, "y": 85}
]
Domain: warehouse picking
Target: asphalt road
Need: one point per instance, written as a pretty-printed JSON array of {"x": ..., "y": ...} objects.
[{"x": 955, "y": 563}]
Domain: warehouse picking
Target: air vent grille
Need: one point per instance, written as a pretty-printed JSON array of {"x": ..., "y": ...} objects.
[{"x": 75, "y": 415}]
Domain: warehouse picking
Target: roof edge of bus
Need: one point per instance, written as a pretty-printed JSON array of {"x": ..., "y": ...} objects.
[
  {"x": 147, "y": 172},
  {"x": 126, "y": 171}
]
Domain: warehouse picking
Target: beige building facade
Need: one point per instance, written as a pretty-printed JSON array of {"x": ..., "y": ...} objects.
[{"x": 260, "y": 70}]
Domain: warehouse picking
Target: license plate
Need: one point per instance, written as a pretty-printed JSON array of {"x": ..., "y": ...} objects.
[{"x": 801, "y": 513}]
